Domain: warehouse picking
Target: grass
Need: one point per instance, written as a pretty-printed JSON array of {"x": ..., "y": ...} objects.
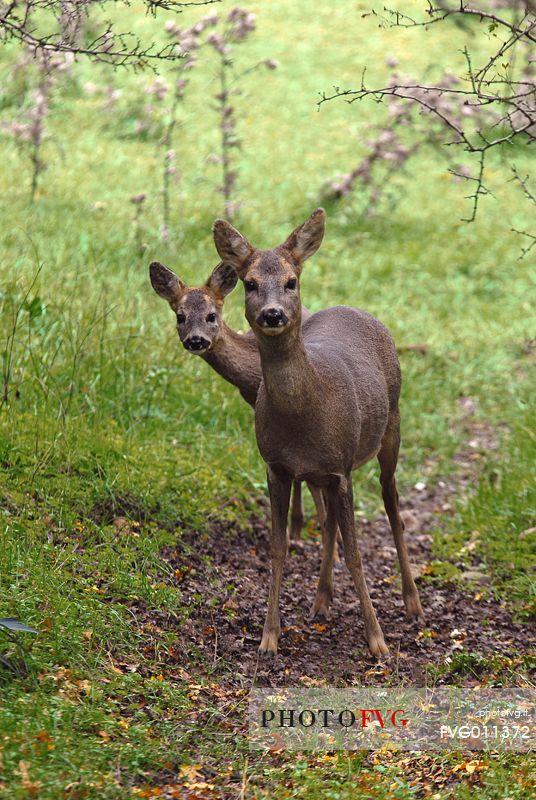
[
  {"x": 107, "y": 418},
  {"x": 497, "y": 523}
]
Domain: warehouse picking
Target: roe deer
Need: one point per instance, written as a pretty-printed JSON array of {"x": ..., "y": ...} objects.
[
  {"x": 327, "y": 403},
  {"x": 234, "y": 356}
]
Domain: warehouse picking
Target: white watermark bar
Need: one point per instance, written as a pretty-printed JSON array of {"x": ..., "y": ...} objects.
[{"x": 446, "y": 718}]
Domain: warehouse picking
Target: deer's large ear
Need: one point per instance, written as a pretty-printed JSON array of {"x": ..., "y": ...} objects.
[
  {"x": 222, "y": 280},
  {"x": 165, "y": 282},
  {"x": 232, "y": 247},
  {"x": 305, "y": 240}
]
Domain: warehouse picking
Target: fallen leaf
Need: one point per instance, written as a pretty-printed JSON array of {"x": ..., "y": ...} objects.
[
  {"x": 472, "y": 766},
  {"x": 31, "y": 787}
]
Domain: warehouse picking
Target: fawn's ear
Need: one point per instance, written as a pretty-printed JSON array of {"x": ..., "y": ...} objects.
[
  {"x": 222, "y": 280},
  {"x": 232, "y": 247},
  {"x": 165, "y": 282},
  {"x": 305, "y": 240}
]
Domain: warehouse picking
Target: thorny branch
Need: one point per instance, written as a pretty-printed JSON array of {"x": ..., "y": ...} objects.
[
  {"x": 493, "y": 104},
  {"x": 532, "y": 198},
  {"x": 26, "y": 22}
]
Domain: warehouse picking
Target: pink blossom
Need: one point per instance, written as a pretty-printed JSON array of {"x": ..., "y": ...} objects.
[{"x": 158, "y": 88}]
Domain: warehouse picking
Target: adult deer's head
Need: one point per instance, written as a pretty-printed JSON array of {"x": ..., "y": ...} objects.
[
  {"x": 198, "y": 310},
  {"x": 271, "y": 277}
]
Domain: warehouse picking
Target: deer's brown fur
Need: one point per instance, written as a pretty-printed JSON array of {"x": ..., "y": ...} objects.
[
  {"x": 327, "y": 403},
  {"x": 232, "y": 355}
]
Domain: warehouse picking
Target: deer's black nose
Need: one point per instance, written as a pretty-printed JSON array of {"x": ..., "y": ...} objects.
[
  {"x": 196, "y": 343},
  {"x": 272, "y": 317}
]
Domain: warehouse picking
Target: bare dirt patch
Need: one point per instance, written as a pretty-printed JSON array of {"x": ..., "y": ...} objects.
[
  {"x": 234, "y": 581},
  {"x": 224, "y": 574}
]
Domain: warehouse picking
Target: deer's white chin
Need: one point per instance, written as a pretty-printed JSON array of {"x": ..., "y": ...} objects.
[{"x": 277, "y": 331}]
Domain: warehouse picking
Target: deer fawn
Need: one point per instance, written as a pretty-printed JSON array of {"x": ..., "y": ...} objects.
[
  {"x": 232, "y": 355},
  {"x": 327, "y": 403}
]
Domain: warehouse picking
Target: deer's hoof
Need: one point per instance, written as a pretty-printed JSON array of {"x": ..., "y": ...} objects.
[
  {"x": 298, "y": 545},
  {"x": 320, "y": 607},
  {"x": 268, "y": 645},
  {"x": 413, "y": 607},
  {"x": 377, "y": 645}
]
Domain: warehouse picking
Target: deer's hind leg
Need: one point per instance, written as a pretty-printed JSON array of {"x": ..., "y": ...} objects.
[
  {"x": 328, "y": 522},
  {"x": 388, "y": 458},
  {"x": 297, "y": 519},
  {"x": 320, "y": 500}
]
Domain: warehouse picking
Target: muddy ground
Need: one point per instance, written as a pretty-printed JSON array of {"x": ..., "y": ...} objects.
[
  {"x": 229, "y": 568},
  {"x": 229, "y": 626}
]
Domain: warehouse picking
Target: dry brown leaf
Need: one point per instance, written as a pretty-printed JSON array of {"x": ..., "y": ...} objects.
[{"x": 320, "y": 627}]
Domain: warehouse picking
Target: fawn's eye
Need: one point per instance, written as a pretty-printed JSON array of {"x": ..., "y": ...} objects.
[
  {"x": 211, "y": 318},
  {"x": 181, "y": 318},
  {"x": 250, "y": 286},
  {"x": 291, "y": 284}
]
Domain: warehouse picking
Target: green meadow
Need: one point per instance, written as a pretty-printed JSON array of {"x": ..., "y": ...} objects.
[{"x": 106, "y": 417}]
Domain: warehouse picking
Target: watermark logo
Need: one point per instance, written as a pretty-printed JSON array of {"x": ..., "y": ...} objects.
[
  {"x": 328, "y": 717},
  {"x": 410, "y": 719}
]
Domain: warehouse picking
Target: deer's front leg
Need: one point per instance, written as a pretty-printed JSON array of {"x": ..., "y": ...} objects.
[
  {"x": 279, "y": 484},
  {"x": 340, "y": 493}
]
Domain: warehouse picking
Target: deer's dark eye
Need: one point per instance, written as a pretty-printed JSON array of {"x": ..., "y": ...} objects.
[
  {"x": 250, "y": 286},
  {"x": 291, "y": 284},
  {"x": 181, "y": 318},
  {"x": 211, "y": 318}
]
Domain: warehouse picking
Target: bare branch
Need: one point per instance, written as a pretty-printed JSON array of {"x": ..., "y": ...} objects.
[
  {"x": 525, "y": 250},
  {"x": 492, "y": 105},
  {"x": 18, "y": 22},
  {"x": 523, "y": 183}
]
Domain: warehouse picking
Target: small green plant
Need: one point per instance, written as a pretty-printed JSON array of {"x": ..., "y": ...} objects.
[
  {"x": 13, "y": 306},
  {"x": 43, "y": 73}
]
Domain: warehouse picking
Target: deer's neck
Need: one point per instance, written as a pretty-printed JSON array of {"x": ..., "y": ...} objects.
[
  {"x": 236, "y": 358},
  {"x": 288, "y": 375}
]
